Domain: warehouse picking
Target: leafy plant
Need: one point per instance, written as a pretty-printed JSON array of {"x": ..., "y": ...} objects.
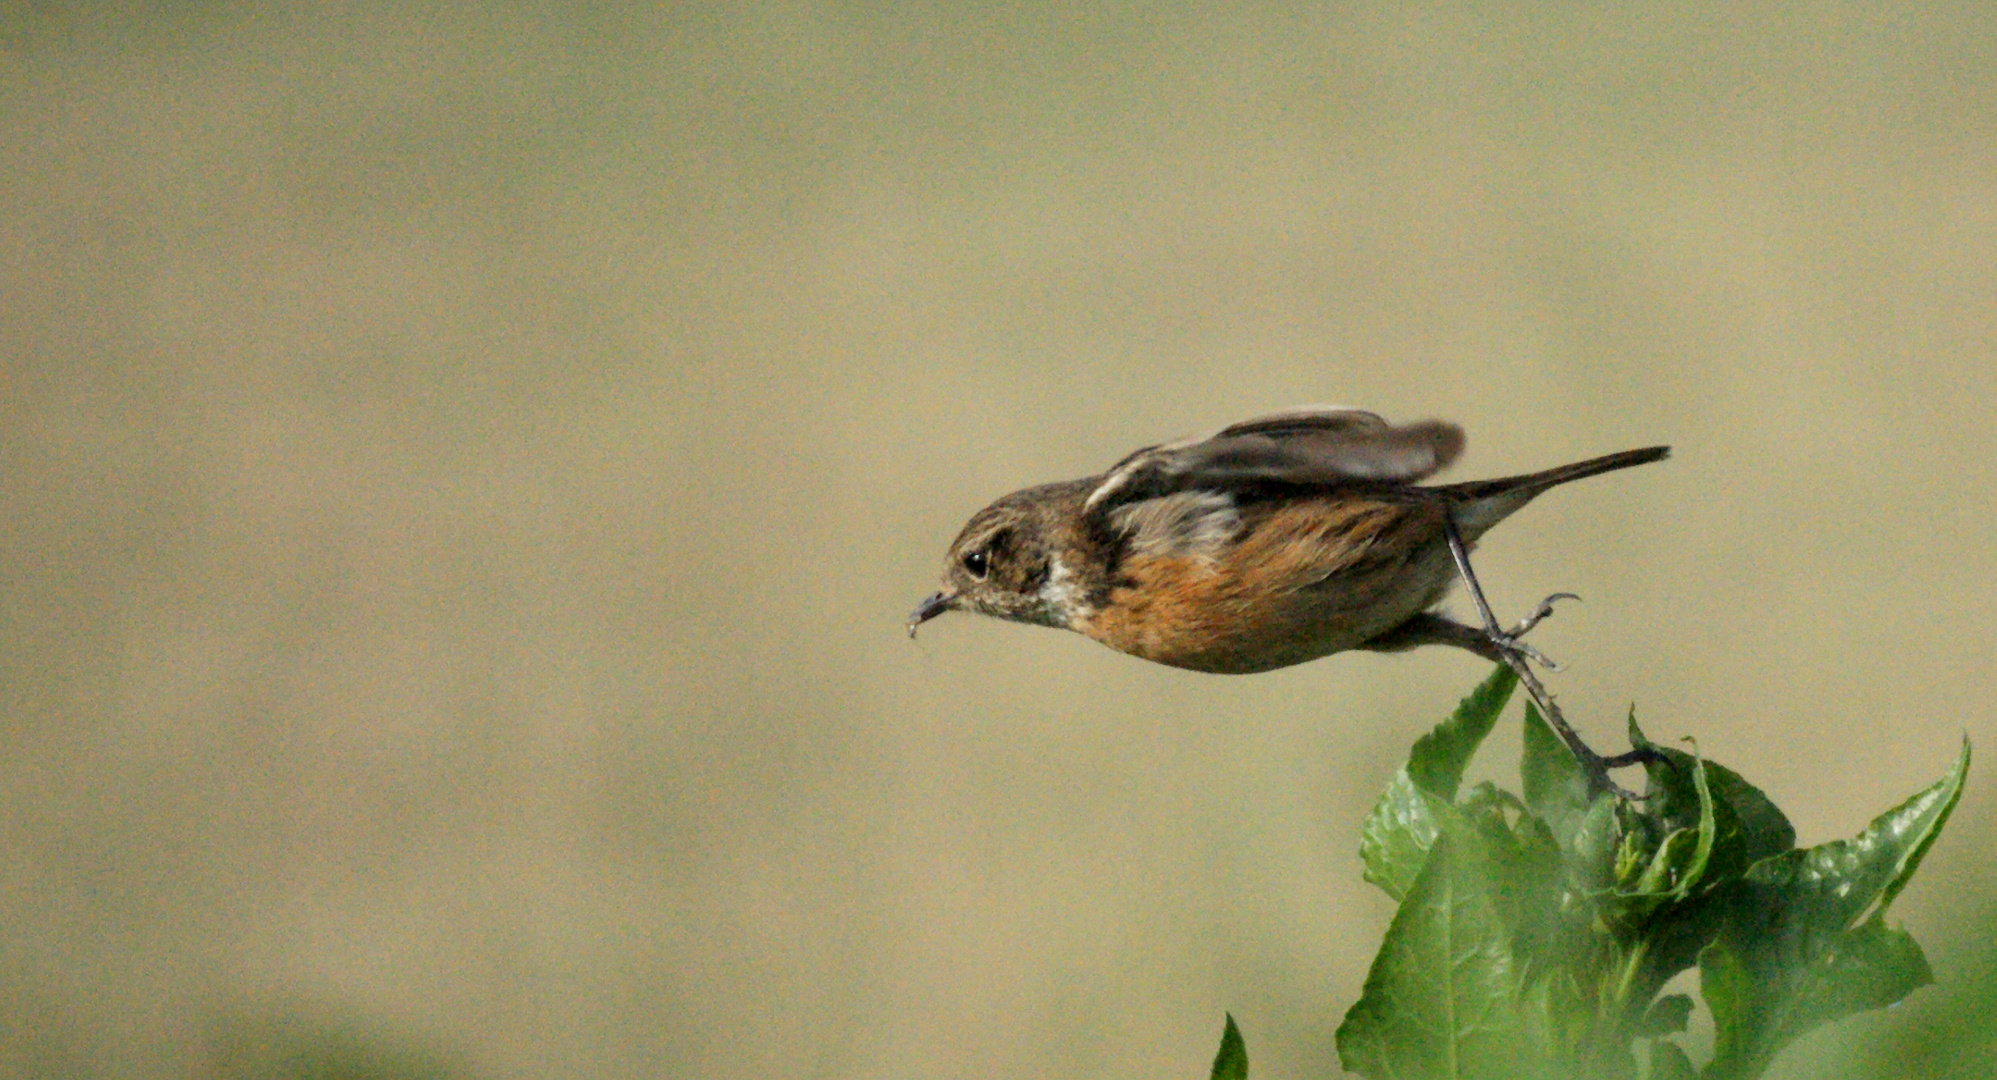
[{"x": 1537, "y": 931}]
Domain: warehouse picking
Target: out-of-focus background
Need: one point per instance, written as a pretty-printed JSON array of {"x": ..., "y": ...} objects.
[{"x": 465, "y": 472}]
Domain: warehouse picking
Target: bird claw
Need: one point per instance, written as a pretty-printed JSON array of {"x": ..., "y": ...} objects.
[
  {"x": 1512, "y": 640},
  {"x": 1511, "y": 643},
  {"x": 1540, "y": 613}
]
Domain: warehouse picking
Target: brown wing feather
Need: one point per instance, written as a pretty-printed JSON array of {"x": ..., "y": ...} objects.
[{"x": 1305, "y": 447}]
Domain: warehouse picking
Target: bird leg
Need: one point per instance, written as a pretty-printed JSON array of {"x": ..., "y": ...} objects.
[{"x": 1516, "y": 655}]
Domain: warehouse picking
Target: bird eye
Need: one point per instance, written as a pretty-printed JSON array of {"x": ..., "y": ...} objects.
[{"x": 978, "y": 563}]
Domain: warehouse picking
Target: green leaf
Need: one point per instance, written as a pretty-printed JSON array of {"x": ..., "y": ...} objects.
[
  {"x": 1556, "y": 787},
  {"x": 1671, "y": 942},
  {"x": 1438, "y": 759},
  {"x": 1666, "y": 1015},
  {"x": 1555, "y": 1004},
  {"x": 1870, "y": 967},
  {"x": 1677, "y": 865},
  {"x": 1395, "y": 839},
  {"x": 1551, "y": 924},
  {"x": 1793, "y": 953},
  {"x": 1750, "y": 828},
  {"x": 1676, "y": 917},
  {"x": 1839, "y": 881},
  {"x": 1689, "y": 874},
  {"x": 1729, "y": 989},
  {"x": 1939, "y": 801},
  {"x": 1597, "y": 843},
  {"x": 1442, "y": 998},
  {"x": 1492, "y": 808},
  {"x": 1668, "y": 1062},
  {"x": 1765, "y": 830},
  {"x": 1232, "y": 1061}
]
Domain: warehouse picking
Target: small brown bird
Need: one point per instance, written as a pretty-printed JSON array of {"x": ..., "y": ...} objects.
[{"x": 1276, "y": 541}]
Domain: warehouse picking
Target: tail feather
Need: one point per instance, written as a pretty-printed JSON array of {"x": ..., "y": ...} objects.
[{"x": 1481, "y": 504}]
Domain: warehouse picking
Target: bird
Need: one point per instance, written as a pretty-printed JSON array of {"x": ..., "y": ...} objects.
[{"x": 1273, "y": 542}]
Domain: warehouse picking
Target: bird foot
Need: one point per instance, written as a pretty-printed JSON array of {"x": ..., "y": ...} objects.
[
  {"x": 1540, "y": 613},
  {"x": 1512, "y": 640}
]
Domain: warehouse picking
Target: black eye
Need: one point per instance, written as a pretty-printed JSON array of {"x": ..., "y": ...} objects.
[{"x": 978, "y": 563}]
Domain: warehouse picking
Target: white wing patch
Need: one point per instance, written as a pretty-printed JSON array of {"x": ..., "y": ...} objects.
[{"x": 1196, "y": 523}]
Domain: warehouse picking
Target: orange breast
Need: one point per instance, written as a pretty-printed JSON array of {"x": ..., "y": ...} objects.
[{"x": 1314, "y": 577}]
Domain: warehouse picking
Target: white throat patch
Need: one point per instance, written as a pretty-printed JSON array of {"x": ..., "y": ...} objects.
[{"x": 1061, "y": 592}]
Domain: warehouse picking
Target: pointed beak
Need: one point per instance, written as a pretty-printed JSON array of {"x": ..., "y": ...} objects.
[{"x": 937, "y": 604}]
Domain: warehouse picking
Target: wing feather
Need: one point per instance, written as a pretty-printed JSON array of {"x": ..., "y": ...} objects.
[{"x": 1312, "y": 446}]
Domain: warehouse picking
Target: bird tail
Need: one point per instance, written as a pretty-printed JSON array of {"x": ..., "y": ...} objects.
[{"x": 1480, "y": 504}]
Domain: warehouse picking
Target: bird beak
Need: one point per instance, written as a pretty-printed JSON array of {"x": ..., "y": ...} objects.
[{"x": 937, "y": 604}]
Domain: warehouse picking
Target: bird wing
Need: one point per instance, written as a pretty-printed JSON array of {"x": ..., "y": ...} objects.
[{"x": 1307, "y": 447}]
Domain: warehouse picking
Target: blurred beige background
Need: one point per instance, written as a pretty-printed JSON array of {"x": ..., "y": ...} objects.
[{"x": 464, "y": 476}]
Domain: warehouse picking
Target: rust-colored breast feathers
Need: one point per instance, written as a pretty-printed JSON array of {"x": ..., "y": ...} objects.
[{"x": 1299, "y": 580}]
